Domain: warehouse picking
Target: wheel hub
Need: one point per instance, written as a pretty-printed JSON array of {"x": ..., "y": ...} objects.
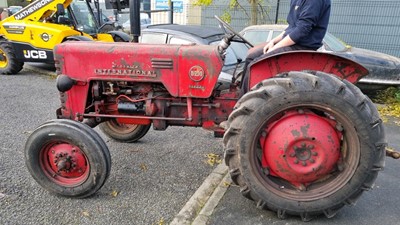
[
  {"x": 66, "y": 163},
  {"x": 301, "y": 147},
  {"x": 3, "y": 59}
]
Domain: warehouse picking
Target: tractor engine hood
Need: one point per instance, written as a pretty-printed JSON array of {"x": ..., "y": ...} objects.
[{"x": 184, "y": 70}]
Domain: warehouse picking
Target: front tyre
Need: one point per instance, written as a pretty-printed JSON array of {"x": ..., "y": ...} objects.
[
  {"x": 8, "y": 60},
  {"x": 67, "y": 158},
  {"x": 124, "y": 132},
  {"x": 304, "y": 144}
]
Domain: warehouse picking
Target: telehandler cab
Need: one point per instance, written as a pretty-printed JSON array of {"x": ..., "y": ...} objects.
[
  {"x": 303, "y": 141},
  {"x": 31, "y": 34}
]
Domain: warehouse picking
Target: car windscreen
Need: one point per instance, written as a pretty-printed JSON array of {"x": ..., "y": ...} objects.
[
  {"x": 256, "y": 36},
  {"x": 333, "y": 44},
  {"x": 84, "y": 18}
]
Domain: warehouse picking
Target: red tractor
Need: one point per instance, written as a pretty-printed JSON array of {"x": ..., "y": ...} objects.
[{"x": 303, "y": 141}]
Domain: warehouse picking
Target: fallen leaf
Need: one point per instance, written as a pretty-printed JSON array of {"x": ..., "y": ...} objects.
[
  {"x": 161, "y": 221},
  {"x": 114, "y": 193},
  {"x": 52, "y": 77},
  {"x": 143, "y": 167},
  {"x": 213, "y": 159},
  {"x": 85, "y": 214},
  {"x": 391, "y": 98},
  {"x": 227, "y": 184}
]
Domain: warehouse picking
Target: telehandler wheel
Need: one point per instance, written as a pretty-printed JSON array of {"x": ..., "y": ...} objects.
[
  {"x": 304, "y": 144},
  {"x": 68, "y": 158},
  {"x": 8, "y": 61},
  {"x": 124, "y": 132}
]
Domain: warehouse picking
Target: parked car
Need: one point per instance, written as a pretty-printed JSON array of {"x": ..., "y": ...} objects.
[
  {"x": 144, "y": 22},
  {"x": 384, "y": 69},
  {"x": 192, "y": 34}
]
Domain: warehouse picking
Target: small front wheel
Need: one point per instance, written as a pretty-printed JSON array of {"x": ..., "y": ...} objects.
[{"x": 67, "y": 158}]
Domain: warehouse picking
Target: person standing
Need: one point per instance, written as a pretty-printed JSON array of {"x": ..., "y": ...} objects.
[{"x": 308, "y": 22}]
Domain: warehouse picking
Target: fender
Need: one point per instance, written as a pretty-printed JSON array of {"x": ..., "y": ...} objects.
[
  {"x": 77, "y": 38},
  {"x": 124, "y": 36},
  {"x": 270, "y": 66}
]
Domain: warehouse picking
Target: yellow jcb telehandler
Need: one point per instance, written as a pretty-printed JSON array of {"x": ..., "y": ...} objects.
[{"x": 31, "y": 34}]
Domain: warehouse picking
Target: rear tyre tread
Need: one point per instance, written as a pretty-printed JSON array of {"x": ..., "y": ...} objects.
[
  {"x": 274, "y": 88},
  {"x": 245, "y": 190},
  {"x": 330, "y": 213},
  {"x": 260, "y": 204},
  {"x": 306, "y": 217},
  {"x": 234, "y": 175}
]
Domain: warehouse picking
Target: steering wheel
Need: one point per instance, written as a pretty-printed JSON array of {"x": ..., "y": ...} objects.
[{"x": 224, "y": 26}]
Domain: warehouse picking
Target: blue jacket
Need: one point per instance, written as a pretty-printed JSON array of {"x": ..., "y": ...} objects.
[{"x": 308, "y": 21}]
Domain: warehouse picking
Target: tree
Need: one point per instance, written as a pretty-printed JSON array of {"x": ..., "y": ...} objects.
[
  {"x": 17, "y": 2},
  {"x": 255, "y": 6}
]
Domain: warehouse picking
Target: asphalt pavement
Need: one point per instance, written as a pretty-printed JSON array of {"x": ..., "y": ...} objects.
[
  {"x": 380, "y": 205},
  {"x": 150, "y": 181},
  {"x": 166, "y": 178}
]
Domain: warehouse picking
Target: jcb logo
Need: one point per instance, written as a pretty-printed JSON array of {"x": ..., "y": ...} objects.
[{"x": 34, "y": 54}]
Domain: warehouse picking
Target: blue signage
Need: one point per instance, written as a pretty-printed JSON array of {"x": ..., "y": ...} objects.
[{"x": 163, "y": 5}]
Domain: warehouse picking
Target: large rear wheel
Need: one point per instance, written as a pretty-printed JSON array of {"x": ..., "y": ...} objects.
[
  {"x": 67, "y": 158},
  {"x": 124, "y": 132},
  {"x": 304, "y": 144}
]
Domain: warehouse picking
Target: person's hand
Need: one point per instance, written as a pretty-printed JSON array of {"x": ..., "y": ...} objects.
[
  {"x": 271, "y": 49},
  {"x": 268, "y": 46}
]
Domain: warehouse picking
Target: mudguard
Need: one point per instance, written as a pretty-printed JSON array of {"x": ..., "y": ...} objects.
[{"x": 270, "y": 66}]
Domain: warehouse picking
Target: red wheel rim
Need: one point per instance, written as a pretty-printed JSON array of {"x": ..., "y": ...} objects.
[
  {"x": 64, "y": 164},
  {"x": 267, "y": 165},
  {"x": 301, "y": 147}
]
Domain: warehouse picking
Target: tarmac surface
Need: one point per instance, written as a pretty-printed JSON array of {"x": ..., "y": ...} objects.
[
  {"x": 377, "y": 206},
  {"x": 149, "y": 183},
  {"x": 157, "y": 181}
]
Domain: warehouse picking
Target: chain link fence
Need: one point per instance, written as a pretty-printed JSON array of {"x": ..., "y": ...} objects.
[{"x": 373, "y": 25}]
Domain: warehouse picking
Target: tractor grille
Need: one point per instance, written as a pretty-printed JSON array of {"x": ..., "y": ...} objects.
[{"x": 162, "y": 63}]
